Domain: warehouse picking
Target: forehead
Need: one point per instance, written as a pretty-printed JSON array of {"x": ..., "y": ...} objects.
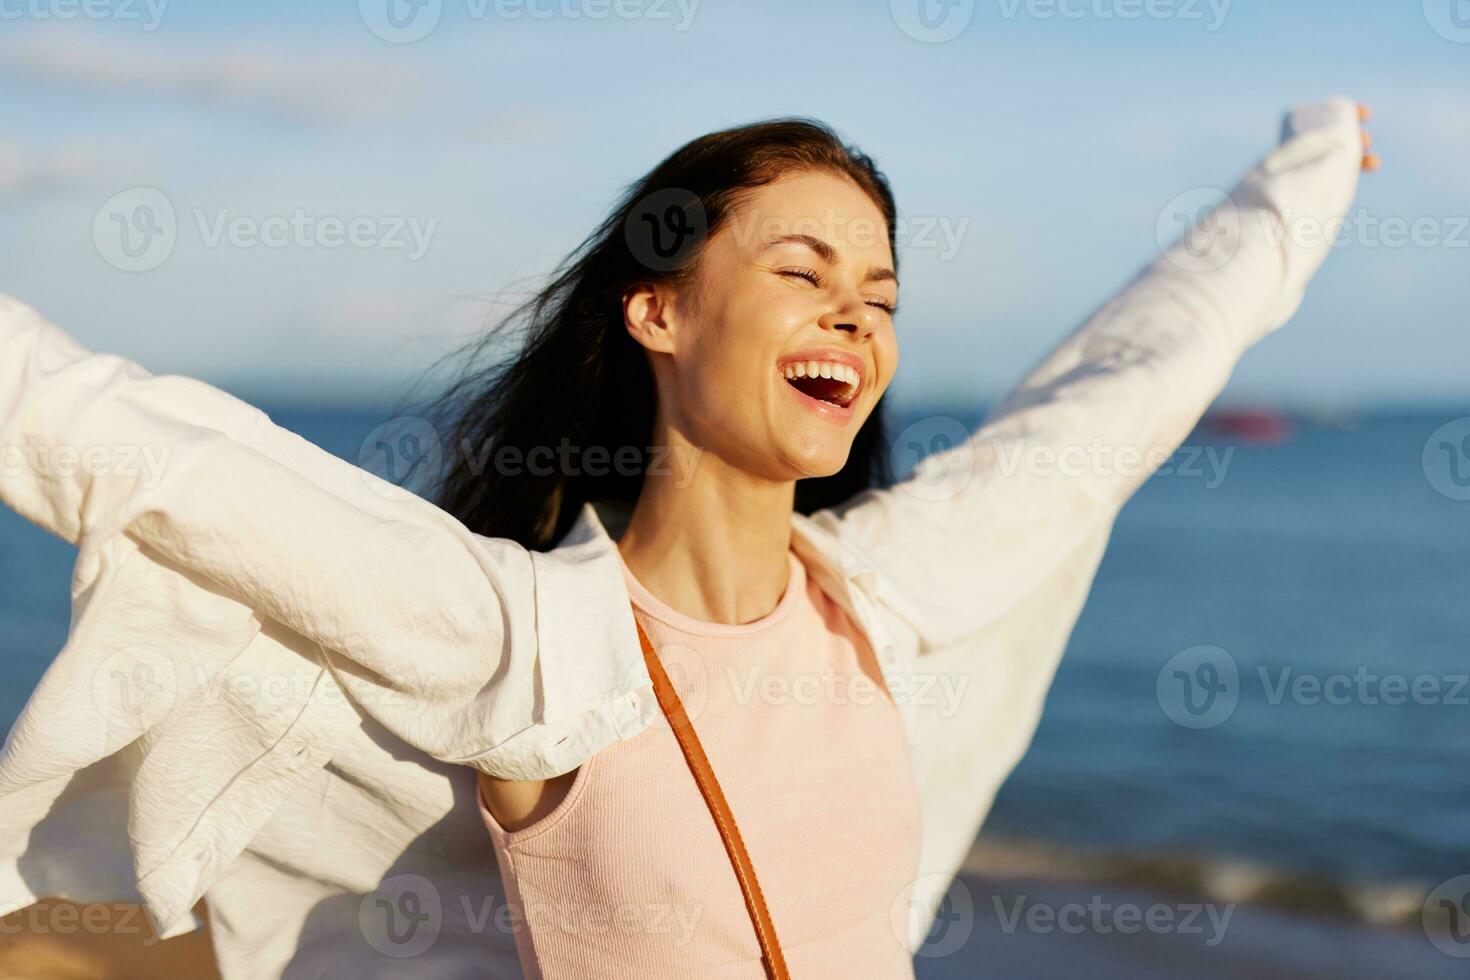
[{"x": 824, "y": 206}]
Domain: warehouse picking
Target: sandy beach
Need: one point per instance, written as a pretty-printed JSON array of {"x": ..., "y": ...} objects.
[
  {"x": 1019, "y": 926},
  {"x": 59, "y": 940}
]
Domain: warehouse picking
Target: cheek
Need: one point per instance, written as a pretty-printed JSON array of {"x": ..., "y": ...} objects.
[
  {"x": 727, "y": 369},
  {"x": 886, "y": 356},
  {"x": 752, "y": 333}
]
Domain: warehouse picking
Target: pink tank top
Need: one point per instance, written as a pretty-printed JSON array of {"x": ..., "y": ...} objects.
[{"x": 627, "y": 877}]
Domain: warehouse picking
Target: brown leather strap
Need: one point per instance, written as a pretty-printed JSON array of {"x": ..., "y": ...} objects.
[{"x": 709, "y": 788}]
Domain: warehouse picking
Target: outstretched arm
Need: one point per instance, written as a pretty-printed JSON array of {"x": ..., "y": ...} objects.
[
  {"x": 438, "y": 627},
  {"x": 978, "y": 526}
]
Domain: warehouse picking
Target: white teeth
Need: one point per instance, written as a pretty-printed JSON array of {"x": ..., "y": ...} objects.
[{"x": 822, "y": 369}]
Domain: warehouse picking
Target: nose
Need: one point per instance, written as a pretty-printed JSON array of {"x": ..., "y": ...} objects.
[{"x": 853, "y": 316}]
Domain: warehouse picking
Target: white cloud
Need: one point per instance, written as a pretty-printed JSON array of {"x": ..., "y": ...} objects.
[
  {"x": 311, "y": 85},
  {"x": 28, "y": 171}
]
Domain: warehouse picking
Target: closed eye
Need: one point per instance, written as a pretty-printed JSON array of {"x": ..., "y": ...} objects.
[
  {"x": 815, "y": 278},
  {"x": 810, "y": 275}
]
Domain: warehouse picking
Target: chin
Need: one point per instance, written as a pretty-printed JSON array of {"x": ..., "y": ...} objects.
[{"x": 817, "y": 459}]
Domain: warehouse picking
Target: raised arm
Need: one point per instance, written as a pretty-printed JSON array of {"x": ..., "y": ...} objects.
[
  {"x": 976, "y": 528},
  {"x": 434, "y": 630}
]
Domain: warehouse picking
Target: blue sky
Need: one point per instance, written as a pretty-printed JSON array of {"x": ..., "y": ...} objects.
[{"x": 1047, "y": 137}]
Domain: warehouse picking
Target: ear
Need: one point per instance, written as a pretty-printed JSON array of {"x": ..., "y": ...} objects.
[{"x": 648, "y": 313}]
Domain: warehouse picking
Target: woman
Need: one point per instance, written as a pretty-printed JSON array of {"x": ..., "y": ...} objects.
[
  {"x": 754, "y": 361},
  {"x": 735, "y": 313}
]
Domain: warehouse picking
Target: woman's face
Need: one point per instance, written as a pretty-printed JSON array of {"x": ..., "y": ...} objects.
[{"x": 784, "y": 341}]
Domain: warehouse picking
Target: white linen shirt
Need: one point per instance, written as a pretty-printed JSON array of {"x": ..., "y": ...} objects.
[{"x": 283, "y": 671}]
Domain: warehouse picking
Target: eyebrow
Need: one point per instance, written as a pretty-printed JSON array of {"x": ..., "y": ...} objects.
[{"x": 828, "y": 254}]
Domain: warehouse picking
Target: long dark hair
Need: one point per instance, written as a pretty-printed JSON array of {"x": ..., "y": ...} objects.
[{"x": 579, "y": 381}]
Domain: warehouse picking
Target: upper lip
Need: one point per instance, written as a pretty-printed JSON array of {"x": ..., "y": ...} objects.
[{"x": 833, "y": 355}]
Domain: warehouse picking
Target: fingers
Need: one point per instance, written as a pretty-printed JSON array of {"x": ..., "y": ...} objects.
[{"x": 1371, "y": 161}]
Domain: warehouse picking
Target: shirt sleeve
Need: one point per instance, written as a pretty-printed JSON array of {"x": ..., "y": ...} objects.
[
  {"x": 429, "y": 628},
  {"x": 979, "y": 526}
]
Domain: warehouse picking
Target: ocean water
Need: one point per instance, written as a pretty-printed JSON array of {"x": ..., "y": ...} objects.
[
  {"x": 1336, "y": 556},
  {"x": 1322, "y": 567}
]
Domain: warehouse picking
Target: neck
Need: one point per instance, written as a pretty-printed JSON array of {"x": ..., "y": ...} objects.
[{"x": 709, "y": 539}]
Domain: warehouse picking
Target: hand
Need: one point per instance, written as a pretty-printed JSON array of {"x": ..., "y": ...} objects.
[{"x": 1371, "y": 161}]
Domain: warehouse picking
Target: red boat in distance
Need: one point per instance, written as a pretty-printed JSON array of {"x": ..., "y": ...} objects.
[{"x": 1260, "y": 426}]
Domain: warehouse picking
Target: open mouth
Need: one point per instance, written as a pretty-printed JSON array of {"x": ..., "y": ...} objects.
[{"x": 836, "y": 384}]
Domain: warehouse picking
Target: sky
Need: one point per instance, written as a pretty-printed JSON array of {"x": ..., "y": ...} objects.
[{"x": 1033, "y": 146}]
